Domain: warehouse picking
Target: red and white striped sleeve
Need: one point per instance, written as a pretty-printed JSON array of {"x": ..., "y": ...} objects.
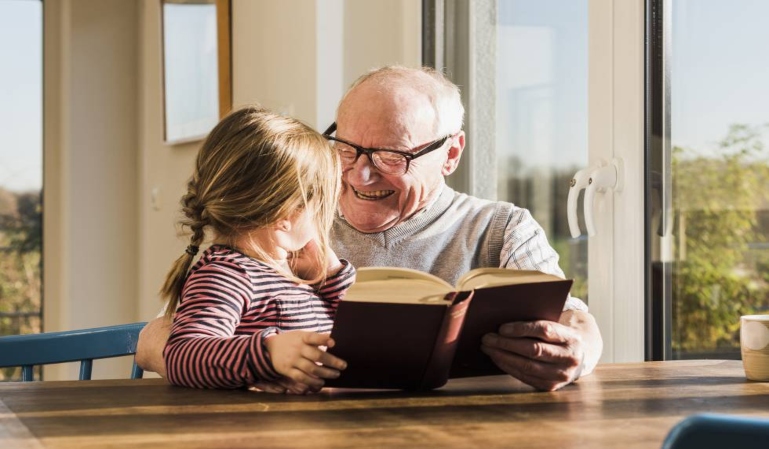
[{"x": 203, "y": 350}]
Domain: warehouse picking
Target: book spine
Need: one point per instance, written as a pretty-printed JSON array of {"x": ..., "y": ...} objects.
[{"x": 437, "y": 370}]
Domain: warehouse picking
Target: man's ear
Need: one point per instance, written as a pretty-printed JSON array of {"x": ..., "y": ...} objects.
[{"x": 455, "y": 154}]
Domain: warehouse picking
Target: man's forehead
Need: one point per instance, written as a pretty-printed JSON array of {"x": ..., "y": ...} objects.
[
  {"x": 385, "y": 123},
  {"x": 385, "y": 132}
]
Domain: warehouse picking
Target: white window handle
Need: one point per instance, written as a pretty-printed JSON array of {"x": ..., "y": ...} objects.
[
  {"x": 578, "y": 182},
  {"x": 601, "y": 179}
]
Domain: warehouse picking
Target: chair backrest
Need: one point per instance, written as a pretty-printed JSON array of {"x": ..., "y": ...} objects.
[
  {"x": 85, "y": 346},
  {"x": 710, "y": 430}
]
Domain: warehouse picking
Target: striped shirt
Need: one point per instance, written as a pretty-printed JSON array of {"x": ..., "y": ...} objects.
[{"x": 230, "y": 303}]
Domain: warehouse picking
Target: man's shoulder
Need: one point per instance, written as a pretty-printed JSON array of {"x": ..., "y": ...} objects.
[{"x": 462, "y": 200}]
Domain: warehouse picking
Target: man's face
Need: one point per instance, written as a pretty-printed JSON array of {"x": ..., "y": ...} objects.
[{"x": 372, "y": 201}]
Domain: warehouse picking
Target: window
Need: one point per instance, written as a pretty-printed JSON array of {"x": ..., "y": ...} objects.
[
  {"x": 711, "y": 234},
  {"x": 21, "y": 169},
  {"x": 688, "y": 231},
  {"x": 523, "y": 76},
  {"x": 541, "y": 116}
]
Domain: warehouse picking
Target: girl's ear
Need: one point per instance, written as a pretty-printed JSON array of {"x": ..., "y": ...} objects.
[{"x": 284, "y": 224}]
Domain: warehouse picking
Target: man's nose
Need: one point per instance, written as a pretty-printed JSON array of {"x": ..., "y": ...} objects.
[{"x": 362, "y": 170}]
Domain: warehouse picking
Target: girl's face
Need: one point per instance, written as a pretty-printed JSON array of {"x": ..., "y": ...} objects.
[{"x": 302, "y": 230}]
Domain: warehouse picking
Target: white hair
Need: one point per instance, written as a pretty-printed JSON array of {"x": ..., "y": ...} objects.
[{"x": 444, "y": 95}]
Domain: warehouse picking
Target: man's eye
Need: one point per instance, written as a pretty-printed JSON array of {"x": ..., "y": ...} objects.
[
  {"x": 345, "y": 151},
  {"x": 390, "y": 158}
]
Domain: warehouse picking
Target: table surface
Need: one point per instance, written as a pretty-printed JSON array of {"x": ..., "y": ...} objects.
[{"x": 630, "y": 405}]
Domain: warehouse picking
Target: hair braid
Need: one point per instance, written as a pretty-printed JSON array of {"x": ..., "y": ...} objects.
[{"x": 195, "y": 218}]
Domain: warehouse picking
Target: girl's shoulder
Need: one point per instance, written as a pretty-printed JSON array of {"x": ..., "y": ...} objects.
[{"x": 222, "y": 256}]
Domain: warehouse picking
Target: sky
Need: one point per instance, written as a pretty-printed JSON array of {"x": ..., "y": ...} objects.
[
  {"x": 720, "y": 69},
  {"x": 21, "y": 103}
]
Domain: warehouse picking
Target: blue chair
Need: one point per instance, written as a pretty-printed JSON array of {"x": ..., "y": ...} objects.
[
  {"x": 708, "y": 430},
  {"x": 84, "y": 346}
]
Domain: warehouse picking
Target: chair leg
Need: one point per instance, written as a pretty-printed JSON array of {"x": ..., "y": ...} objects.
[
  {"x": 27, "y": 373},
  {"x": 137, "y": 372},
  {"x": 86, "y": 367}
]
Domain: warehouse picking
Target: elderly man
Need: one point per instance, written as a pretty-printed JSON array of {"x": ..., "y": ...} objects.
[{"x": 399, "y": 133}]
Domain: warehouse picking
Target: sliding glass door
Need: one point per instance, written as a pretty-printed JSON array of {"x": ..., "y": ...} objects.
[{"x": 709, "y": 169}]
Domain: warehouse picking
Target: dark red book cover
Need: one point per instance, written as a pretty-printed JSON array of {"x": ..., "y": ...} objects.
[
  {"x": 494, "y": 306},
  {"x": 385, "y": 345},
  {"x": 420, "y": 346}
]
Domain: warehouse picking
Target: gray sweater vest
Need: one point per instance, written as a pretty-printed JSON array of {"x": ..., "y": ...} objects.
[{"x": 454, "y": 235}]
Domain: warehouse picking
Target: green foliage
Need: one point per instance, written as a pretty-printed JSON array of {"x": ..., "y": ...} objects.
[
  {"x": 717, "y": 198},
  {"x": 20, "y": 265}
]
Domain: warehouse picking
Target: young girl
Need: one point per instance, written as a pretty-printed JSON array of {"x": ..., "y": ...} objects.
[{"x": 258, "y": 305}]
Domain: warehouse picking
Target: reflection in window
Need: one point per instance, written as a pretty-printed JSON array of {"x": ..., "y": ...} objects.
[
  {"x": 542, "y": 115},
  {"x": 21, "y": 168},
  {"x": 720, "y": 139}
]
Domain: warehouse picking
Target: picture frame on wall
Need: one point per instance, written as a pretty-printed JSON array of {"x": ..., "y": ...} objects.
[{"x": 196, "y": 67}]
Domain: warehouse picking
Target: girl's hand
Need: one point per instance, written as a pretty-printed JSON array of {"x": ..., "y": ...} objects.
[
  {"x": 298, "y": 356},
  {"x": 304, "y": 263}
]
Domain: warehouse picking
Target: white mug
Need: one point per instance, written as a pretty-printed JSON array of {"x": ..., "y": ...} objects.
[{"x": 754, "y": 346}]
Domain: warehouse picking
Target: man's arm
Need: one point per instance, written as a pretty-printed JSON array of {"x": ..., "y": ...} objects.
[
  {"x": 545, "y": 354},
  {"x": 152, "y": 340}
]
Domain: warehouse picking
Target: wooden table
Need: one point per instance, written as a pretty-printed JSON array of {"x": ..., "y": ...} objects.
[{"x": 619, "y": 406}]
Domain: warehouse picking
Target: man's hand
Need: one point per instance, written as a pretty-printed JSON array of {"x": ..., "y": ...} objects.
[
  {"x": 545, "y": 354},
  {"x": 299, "y": 357},
  {"x": 152, "y": 341}
]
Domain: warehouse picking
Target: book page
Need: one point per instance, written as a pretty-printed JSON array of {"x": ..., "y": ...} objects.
[
  {"x": 398, "y": 290},
  {"x": 489, "y": 277},
  {"x": 366, "y": 274}
]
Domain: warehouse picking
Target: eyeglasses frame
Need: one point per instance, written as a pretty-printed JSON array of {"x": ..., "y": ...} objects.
[{"x": 432, "y": 146}]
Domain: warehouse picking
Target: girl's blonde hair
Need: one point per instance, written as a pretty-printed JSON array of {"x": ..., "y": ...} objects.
[{"x": 255, "y": 168}]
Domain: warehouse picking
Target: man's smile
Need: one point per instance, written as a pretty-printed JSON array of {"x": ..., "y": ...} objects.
[{"x": 372, "y": 195}]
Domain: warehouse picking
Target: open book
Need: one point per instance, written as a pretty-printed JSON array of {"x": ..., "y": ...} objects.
[{"x": 405, "y": 329}]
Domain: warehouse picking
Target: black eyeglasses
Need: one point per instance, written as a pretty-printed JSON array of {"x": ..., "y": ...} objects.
[{"x": 391, "y": 162}]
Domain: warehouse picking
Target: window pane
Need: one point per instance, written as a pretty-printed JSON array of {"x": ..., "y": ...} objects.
[
  {"x": 21, "y": 167},
  {"x": 719, "y": 135},
  {"x": 541, "y": 115}
]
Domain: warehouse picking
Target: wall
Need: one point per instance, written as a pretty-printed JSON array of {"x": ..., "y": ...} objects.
[
  {"x": 273, "y": 52},
  {"x": 379, "y": 33},
  {"x": 280, "y": 47},
  {"x": 163, "y": 171},
  {"x": 90, "y": 173}
]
